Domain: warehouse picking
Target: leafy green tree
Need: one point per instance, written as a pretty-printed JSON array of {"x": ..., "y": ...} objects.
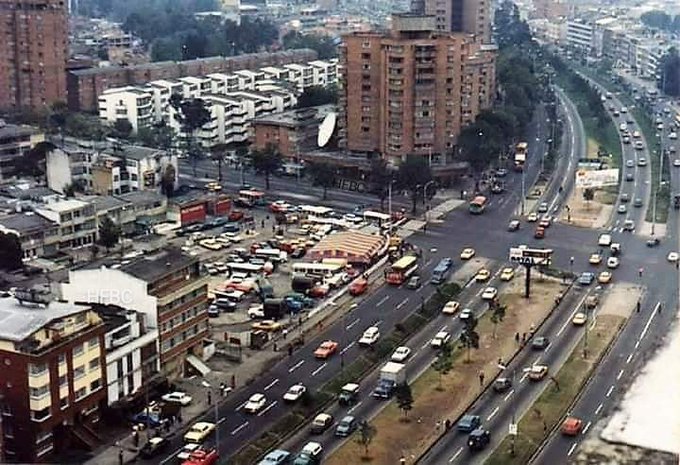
[
  {"x": 444, "y": 363},
  {"x": 365, "y": 434},
  {"x": 168, "y": 180},
  {"x": 10, "y": 252},
  {"x": 510, "y": 30},
  {"x": 159, "y": 135},
  {"x": 412, "y": 176},
  {"x": 58, "y": 115},
  {"x": 404, "y": 398},
  {"x": 656, "y": 19},
  {"x": 669, "y": 79},
  {"x": 323, "y": 175},
  {"x": 588, "y": 195},
  {"x": 109, "y": 233},
  {"x": 380, "y": 177},
  {"x": 32, "y": 163},
  {"x": 122, "y": 128},
  {"x": 218, "y": 152},
  {"x": 469, "y": 338},
  {"x": 266, "y": 162},
  {"x": 325, "y": 46},
  {"x": 317, "y": 95},
  {"x": 192, "y": 115},
  {"x": 497, "y": 313}
]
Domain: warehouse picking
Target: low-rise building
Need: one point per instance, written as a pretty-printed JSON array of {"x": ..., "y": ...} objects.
[
  {"x": 52, "y": 388},
  {"x": 130, "y": 104},
  {"x": 15, "y": 141},
  {"x": 39, "y": 237},
  {"x": 76, "y": 220}
]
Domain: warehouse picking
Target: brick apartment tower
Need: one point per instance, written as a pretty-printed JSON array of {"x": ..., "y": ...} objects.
[
  {"x": 33, "y": 53},
  {"x": 469, "y": 16},
  {"x": 411, "y": 91}
]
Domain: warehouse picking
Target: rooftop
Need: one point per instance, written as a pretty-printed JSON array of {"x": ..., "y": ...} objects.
[
  {"x": 137, "y": 152},
  {"x": 297, "y": 117},
  {"x": 19, "y": 321},
  {"x": 153, "y": 267},
  {"x": 141, "y": 197},
  {"x": 64, "y": 205},
  {"x": 12, "y": 130},
  {"x": 106, "y": 202},
  {"x": 24, "y": 222}
]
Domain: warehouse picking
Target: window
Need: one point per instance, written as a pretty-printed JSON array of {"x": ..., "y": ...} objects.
[
  {"x": 93, "y": 343},
  {"x": 6, "y": 410},
  {"x": 37, "y": 369},
  {"x": 63, "y": 403},
  {"x": 40, "y": 415},
  {"x": 40, "y": 392},
  {"x": 80, "y": 393},
  {"x": 7, "y": 429},
  {"x": 78, "y": 350},
  {"x": 44, "y": 448},
  {"x": 44, "y": 436},
  {"x": 79, "y": 372},
  {"x": 94, "y": 364},
  {"x": 63, "y": 381},
  {"x": 96, "y": 384}
]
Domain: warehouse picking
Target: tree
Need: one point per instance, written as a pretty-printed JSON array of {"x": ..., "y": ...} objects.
[
  {"x": 159, "y": 135},
  {"x": 317, "y": 95},
  {"x": 32, "y": 163},
  {"x": 323, "y": 175},
  {"x": 122, "y": 128},
  {"x": 168, "y": 180},
  {"x": 218, "y": 152},
  {"x": 588, "y": 195},
  {"x": 656, "y": 19},
  {"x": 191, "y": 114},
  {"x": 365, "y": 434},
  {"x": 380, "y": 177},
  {"x": 266, "y": 162},
  {"x": 497, "y": 313},
  {"x": 10, "y": 252},
  {"x": 669, "y": 80},
  {"x": 109, "y": 233},
  {"x": 325, "y": 46},
  {"x": 469, "y": 338},
  {"x": 443, "y": 363},
  {"x": 404, "y": 398},
  {"x": 413, "y": 174}
]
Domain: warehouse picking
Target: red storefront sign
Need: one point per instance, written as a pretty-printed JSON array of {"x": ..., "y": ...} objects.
[{"x": 192, "y": 214}]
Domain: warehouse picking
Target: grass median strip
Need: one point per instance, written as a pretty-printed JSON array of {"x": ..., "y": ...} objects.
[{"x": 550, "y": 408}]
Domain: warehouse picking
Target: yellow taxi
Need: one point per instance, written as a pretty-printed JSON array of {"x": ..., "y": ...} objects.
[
  {"x": 467, "y": 253},
  {"x": 507, "y": 274},
  {"x": 482, "y": 275},
  {"x": 604, "y": 277}
]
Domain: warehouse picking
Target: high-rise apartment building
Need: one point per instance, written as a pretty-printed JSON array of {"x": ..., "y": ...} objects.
[
  {"x": 470, "y": 16},
  {"x": 411, "y": 91},
  {"x": 33, "y": 53}
]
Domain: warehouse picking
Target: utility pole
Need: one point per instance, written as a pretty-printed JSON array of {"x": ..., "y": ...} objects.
[
  {"x": 527, "y": 281},
  {"x": 523, "y": 194}
]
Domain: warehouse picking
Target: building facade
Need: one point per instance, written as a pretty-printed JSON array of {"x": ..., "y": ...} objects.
[
  {"x": 38, "y": 236},
  {"x": 468, "y": 16},
  {"x": 53, "y": 378},
  {"x": 76, "y": 220},
  {"x": 33, "y": 53},
  {"x": 411, "y": 91},
  {"x": 15, "y": 141}
]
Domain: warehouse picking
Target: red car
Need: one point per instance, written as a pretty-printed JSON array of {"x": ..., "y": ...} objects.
[
  {"x": 236, "y": 215},
  {"x": 202, "y": 457},
  {"x": 572, "y": 426},
  {"x": 540, "y": 233},
  {"x": 326, "y": 349},
  {"x": 358, "y": 287},
  {"x": 320, "y": 290}
]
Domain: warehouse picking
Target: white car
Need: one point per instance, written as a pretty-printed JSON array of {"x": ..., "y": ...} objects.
[
  {"x": 294, "y": 393},
  {"x": 451, "y": 307},
  {"x": 673, "y": 257},
  {"x": 465, "y": 314},
  {"x": 676, "y": 163},
  {"x": 489, "y": 293},
  {"x": 255, "y": 403},
  {"x": 232, "y": 237},
  {"x": 613, "y": 262},
  {"x": 400, "y": 354},
  {"x": 177, "y": 397},
  {"x": 673, "y": 135},
  {"x": 605, "y": 240},
  {"x": 187, "y": 450},
  {"x": 370, "y": 336},
  {"x": 256, "y": 311},
  {"x": 439, "y": 339},
  {"x": 532, "y": 218}
]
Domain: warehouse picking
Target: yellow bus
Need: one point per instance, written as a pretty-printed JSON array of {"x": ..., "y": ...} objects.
[{"x": 401, "y": 270}]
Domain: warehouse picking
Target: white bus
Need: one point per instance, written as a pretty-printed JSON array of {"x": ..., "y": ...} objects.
[
  {"x": 247, "y": 268},
  {"x": 319, "y": 212},
  {"x": 323, "y": 270},
  {"x": 376, "y": 217},
  {"x": 274, "y": 255}
]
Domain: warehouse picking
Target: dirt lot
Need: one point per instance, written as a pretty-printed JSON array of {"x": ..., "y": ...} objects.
[
  {"x": 460, "y": 386},
  {"x": 593, "y": 214}
]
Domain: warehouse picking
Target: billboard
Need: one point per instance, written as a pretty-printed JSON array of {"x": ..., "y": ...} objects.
[
  {"x": 599, "y": 178},
  {"x": 527, "y": 256}
]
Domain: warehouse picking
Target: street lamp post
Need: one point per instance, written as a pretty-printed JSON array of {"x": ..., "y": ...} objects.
[
  {"x": 429, "y": 183},
  {"x": 215, "y": 404}
]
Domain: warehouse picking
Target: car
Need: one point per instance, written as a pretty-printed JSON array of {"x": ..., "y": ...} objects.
[
  {"x": 630, "y": 177},
  {"x": 637, "y": 203},
  {"x": 532, "y": 218},
  {"x": 639, "y": 145},
  {"x": 501, "y": 172},
  {"x": 199, "y": 432},
  {"x": 255, "y": 403},
  {"x": 673, "y": 135},
  {"x": 231, "y": 237},
  {"x": 478, "y": 439},
  {"x": 497, "y": 188},
  {"x": 276, "y": 457},
  {"x": 370, "y": 336},
  {"x": 653, "y": 242},
  {"x": 326, "y": 349},
  {"x": 153, "y": 447},
  {"x": 468, "y": 423},
  {"x": 622, "y": 209},
  {"x": 451, "y": 307},
  {"x": 615, "y": 249},
  {"x": 321, "y": 423},
  {"x": 543, "y": 207},
  {"x": 630, "y": 163},
  {"x": 213, "y": 311},
  {"x": 414, "y": 282},
  {"x": 579, "y": 319},
  {"x": 642, "y": 161},
  {"x": 466, "y": 314},
  {"x": 187, "y": 450},
  {"x": 595, "y": 258},
  {"x": 177, "y": 397},
  {"x": 502, "y": 384},
  {"x": 439, "y": 339},
  {"x": 586, "y": 278},
  {"x": 482, "y": 275},
  {"x": 540, "y": 343},
  {"x": 346, "y": 426},
  {"x": 624, "y": 198},
  {"x": 400, "y": 354},
  {"x": 671, "y": 149},
  {"x": 604, "y": 240},
  {"x": 604, "y": 277},
  {"x": 150, "y": 419},
  {"x": 236, "y": 215},
  {"x": 268, "y": 325},
  {"x": 255, "y": 311},
  {"x": 624, "y": 110},
  {"x": 672, "y": 257},
  {"x": 592, "y": 301},
  {"x": 507, "y": 274},
  {"x": 571, "y": 426},
  {"x": 636, "y": 134},
  {"x": 539, "y": 233},
  {"x": 613, "y": 262},
  {"x": 310, "y": 454},
  {"x": 513, "y": 225},
  {"x": 676, "y": 162},
  {"x": 294, "y": 393},
  {"x": 298, "y": 252},
  {"x": 358, "y": 287},
  {"x": 467, "y": 253},
  {"x": 545, "y": 222},
  {"x": 626, "y": 140},
  {"x": 538, "y": 372},
  {"x": 489, "y": 293}
]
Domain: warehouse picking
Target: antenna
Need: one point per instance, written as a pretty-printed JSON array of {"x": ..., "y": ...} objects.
[{"x": 326, "y": 129}]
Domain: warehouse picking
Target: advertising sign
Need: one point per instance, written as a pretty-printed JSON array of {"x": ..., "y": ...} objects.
[
  {"x": 586, "y": 179},
  {"x": 533, "y": 257}
]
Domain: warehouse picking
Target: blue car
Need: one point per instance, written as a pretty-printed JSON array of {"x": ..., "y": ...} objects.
[
  {"x": 152, "y": 419},
  {"x": 276, "y": 457},
  {"x": 586, "y": 278}
]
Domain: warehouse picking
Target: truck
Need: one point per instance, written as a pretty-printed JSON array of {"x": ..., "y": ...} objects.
[
  {"x": 348, "y": 394},
  {"x": 520, "y": 156},
  {"x": 273, "y": 309},
  {"x": 676, "y": 201},
  {"x": 391, "y": 374}
]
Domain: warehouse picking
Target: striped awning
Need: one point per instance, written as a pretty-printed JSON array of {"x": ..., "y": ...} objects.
[{"x": 353, "y": 246}]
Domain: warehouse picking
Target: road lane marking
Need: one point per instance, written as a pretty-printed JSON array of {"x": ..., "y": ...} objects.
[
  {"x": 649, "y": 322},
  {"x": 347, "y": 348},
  {"x": 585, "y": 430},
  {"x": 427, "y": 263},
  {"x": 377, "y": 323},
  {"x": 296, "y": 366},
  {"x": 618, "y": 377},
  {"x": 571, "y": 449},
  {"x": 382, "y": 301},
  {"x": 493, "y": 413},
  {"x": 268, "y": 408},
  {"x": 427, "y": 343},
  {"x": 351, "y": 409},
  {"x": 571, "y": 317},
  {"x": 349, "y": 326},
  {"x": 221, "y": 420},
  {"x": 523, "y": 377},
  {"x": 609, "y": 392},
  {"x": 239, "y": 428},
  {"x": 315, "y": 372},
  {"x": 417, "y": 290},
  {"x": 172, "y": 456},
  {"x": 637, "y": 344},
  {"x": 241, "y": 406},
  {"x": 630, "y": 357},
  {"x": 508, "y": 396},
  {"x": 598, "y": 409},
  {"x": 455, "y": 456},
  {"x": 271, "y": 385},
  {"x": 404, "y": 301}
]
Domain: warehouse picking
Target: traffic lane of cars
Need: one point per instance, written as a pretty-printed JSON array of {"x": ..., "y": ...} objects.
[{"x": 495, "y": 409}]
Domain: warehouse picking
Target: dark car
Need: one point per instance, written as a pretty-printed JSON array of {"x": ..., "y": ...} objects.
[
  {"x": 153, "y": 447},
  {"x": 540, "y": 343},
  {"x": 586, "y": 278},
  {"x": 653, "y": 242},
  {"x": 414, "y": 282},
  {"x": 478, "y": 439},
  {"x": 501, "y": 172},
  {"x": 630, "y": 177},
  {"x": 298, "y": 252},
  {"x": 502, "y": 384},
  {"x": 346, "y": 426},
  {"x": 539, "y": 233},
  {"x": 637, "y": 203},
  {"x": 215, "y": 222},
  {"x": 243, "y": 203},
  {"x": 151, "y": 419},
  {"x": 231, "y": 227},
  {"x": 468, "y": 423},
  {"x": 226, "y": 305},
  {"x": 236, "y": 215}
]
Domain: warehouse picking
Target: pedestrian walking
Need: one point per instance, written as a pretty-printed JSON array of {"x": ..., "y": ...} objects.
[
  {"x": 517, "y": 338},
  {"x": 120, "y": 457},
  {"x": 135, "y": 437},
  {"x": 285, "y": 333},
  {"x": 447, "y": 424},
  {"x": 481, "y": 378},
  {"x": 179, "y": 417},
  {"x": 439, "y": 424},
  {"x": 223, "y": 389},
  {"x": 262, "y": 224},
  {"x": 209, "y": 398},
  {"x": 275, "y": 348},
  {"x": 524, "y": 337}
]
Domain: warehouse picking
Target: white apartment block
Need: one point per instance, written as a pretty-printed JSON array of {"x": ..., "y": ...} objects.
[
  {"x": 580, "y": 35},
  {"x": 127, "y": 103},
  {"x": 76, "y": 220}
]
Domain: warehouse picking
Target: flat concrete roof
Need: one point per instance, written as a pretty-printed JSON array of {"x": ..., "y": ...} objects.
[{"x": 18, "y": 321}]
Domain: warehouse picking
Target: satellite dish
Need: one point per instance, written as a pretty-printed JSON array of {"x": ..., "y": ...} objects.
[{"x": 326, "y": 129}]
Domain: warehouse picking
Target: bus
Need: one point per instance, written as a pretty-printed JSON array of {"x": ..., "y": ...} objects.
[
  {"x": 253, "y": 196},
  {"x": 319, "y": 212},
  {"x": 247, "y": 268},
  {"x": 401, "y": 270},
  {"x": 478, "y": 205},
  {"x": 322, "y": 270},
  {"x": 382, "y": 219},
  {"x": 521, "y": 155},
  {"x": 273, "y": 255},
  {"x": 441, "y": 271}
]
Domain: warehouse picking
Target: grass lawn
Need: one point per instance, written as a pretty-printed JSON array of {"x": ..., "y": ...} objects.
[{"x": 550, "y": 408}]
